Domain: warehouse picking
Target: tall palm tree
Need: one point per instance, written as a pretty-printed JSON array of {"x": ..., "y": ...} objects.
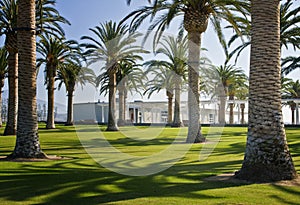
[
  {"x": 196, "y": 14},
  {"x": 8, "y": 23},
  {"x": 267, "y": 157},
  {"x": 53, "y": 52},
  {"x": 27, "y": 141},
  {"x": 70, "y": 74},
  {"x": 112, "y": 45},
  {"x": 292, "y": 91},
  {"x": 47, "y": 19},
  {"x": 3, "y": 75}
]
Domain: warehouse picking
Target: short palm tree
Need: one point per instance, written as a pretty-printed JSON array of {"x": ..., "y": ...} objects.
[
  {"x": 112, "y": 45},
  {"x": 229, "y": 79},
  {"x": 53, "y": 52},
  {"x": 292, "y": 91},
  {"x": 242, "y": 93},
  {"x": 130, "y": 77},
  {"x": 70, "y": 74},
  {"x": 3, "y": 75},
  {"x": 175, "y": 50},
  {"x": 267, "y": 157},
  {"x": 164, "y": 80},
  {"x": 196, "y": 14}
]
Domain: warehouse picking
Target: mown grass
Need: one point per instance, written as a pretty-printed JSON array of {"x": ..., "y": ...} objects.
[{"x": 81, "y": 180}]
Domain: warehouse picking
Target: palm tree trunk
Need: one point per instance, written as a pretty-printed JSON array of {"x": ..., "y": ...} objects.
[
  {"x": 50, "y": 114},
  {"x": 177, "y": 120},
  {"x": 11, "y": 124},
  {"x": 112, "y": 126},
  {"x": 70, "y": 106},
  {"x": 170, "y": 95},
  {"x": 194, "y": 127},
  {"x": 121, "y": 121},
  {"x": 293, "y": 114},
  {"x": 27, "y": 141},
  {"x": 1, "y": 87},
  {"x": 243, "y": 113},
  {"x": 267, "y": 157},
  {"x": 222, "y": 107},
  {"x": 231, "y": 106}
]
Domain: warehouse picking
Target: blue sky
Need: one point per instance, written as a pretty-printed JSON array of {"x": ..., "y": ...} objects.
[{"x": 85, "y": 14}]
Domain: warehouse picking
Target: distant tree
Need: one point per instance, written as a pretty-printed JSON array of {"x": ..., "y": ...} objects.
[
  {"x": 229, "y": 79},
  {"x": 163, "y": 80},
  {"x": 130, "y": 77},
  {"x": 292, "y": 91},
  {"x": 70, "y": 74},
  {"x": 176, "y": 52}
]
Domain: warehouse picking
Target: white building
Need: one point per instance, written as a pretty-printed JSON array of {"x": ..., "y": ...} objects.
[{"x": 156, "y": 111}]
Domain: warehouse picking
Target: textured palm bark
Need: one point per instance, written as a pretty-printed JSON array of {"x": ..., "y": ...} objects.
[
  {"x": 112, "y": 125},
  {"x": 194, "y": 127},
  {"x": 70, "y": 106},
  {"x": 267, "y": 157},
  {"x": 177, "y": 122},
  {"x": 170, "y": 105},
  {"x": 27, "y": 141},
  {"x": 11, "y": 47},
  {"x": 51, "y": 71}
]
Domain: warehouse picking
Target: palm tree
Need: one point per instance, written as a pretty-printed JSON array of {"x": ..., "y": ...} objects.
[
  {"x": 3, "y": 75},
  {"x": 175, "y": 49},
  {"x": 229, "y": 80},
  {"x": 53, "y": 52},
  {"x": 196, "y": 14},
  {"x": 27, "y": 141},
  {"x": 267, "y": 157},
  {"x": 47, "y": 18},
  {"x": 70, "y": 74},
  {"x": 242, "y": 93},
  {"x": 112, "y": 46},
  {"x": 164, "y": 79},
  {"x": 292, "y": 91},
  {"x": 130, "y": 77},
  {"x": 8, "y": 23}
]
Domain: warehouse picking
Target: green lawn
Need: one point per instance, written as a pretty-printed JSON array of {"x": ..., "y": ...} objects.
[{"x": 81, "y": 180}]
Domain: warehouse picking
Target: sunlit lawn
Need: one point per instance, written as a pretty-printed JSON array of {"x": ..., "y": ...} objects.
[{"x": 81, "y": 180}]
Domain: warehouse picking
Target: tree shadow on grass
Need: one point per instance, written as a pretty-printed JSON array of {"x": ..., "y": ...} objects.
[{"x": 60, "y": 183}]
